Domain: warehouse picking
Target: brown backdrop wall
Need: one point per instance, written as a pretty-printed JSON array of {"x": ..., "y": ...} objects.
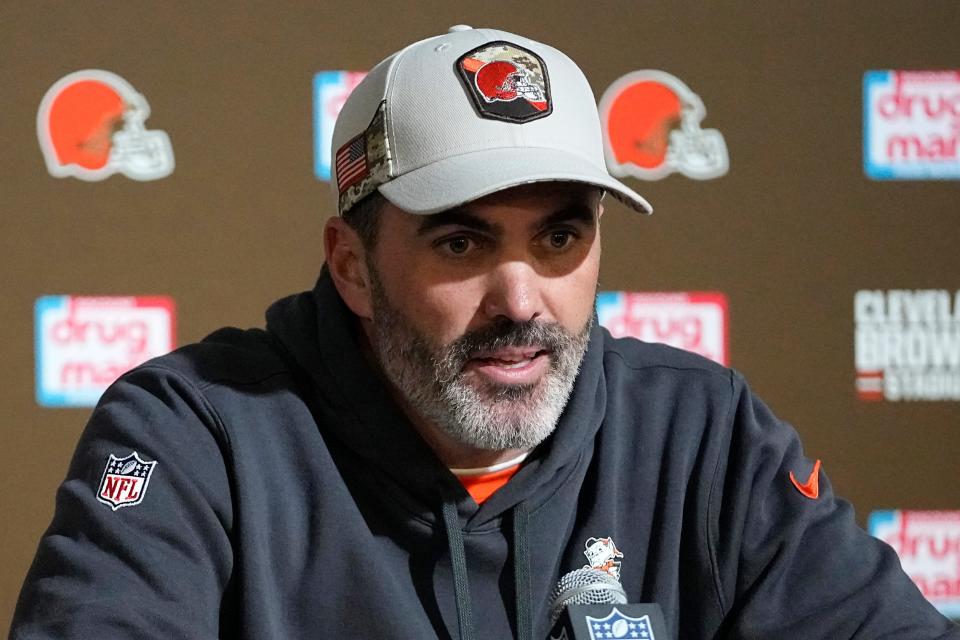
[{"x": 790, "y": 234}]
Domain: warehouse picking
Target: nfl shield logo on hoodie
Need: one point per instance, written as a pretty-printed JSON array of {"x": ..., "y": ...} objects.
[{"x": 124, "y": 481}]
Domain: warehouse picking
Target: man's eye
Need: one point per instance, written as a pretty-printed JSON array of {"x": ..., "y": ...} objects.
[
  {"x": 458, "y": 246},
  {"x": 560, "y": 239}
]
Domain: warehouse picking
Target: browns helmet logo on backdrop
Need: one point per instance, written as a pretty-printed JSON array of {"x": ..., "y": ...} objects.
[
  {"x": 506, "y": 82},
  {"x": 651, "y": 128},
  {"x": 91, "y": 126}
]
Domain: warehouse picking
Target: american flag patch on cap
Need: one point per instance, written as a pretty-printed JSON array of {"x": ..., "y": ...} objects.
[{"x": 351, "y": 162}]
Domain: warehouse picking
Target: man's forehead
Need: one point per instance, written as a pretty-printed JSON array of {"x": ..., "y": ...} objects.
[{"x": 532, "y": 206}]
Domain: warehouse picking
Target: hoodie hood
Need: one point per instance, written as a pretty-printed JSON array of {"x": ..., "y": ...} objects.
[{"x": 323, "y": 336}]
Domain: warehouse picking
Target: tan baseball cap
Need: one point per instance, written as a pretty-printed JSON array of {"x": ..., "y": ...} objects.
[{"x": 456, "y": 117}]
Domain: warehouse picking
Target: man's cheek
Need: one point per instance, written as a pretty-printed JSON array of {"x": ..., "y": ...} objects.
[
  {"x": 573, "y": 306},
  {"x": 445, "y": 314}
]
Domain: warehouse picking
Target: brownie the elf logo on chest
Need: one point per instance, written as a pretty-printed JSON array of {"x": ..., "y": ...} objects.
[
  {"x": 506, "y": 82},
  {"x": 602, "y": 554}
]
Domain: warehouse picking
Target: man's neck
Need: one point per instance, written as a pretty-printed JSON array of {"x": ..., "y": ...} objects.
[{"x": 454, "y": 454}]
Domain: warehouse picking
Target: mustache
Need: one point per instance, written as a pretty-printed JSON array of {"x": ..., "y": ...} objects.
[{"x": 503, "y": 333}]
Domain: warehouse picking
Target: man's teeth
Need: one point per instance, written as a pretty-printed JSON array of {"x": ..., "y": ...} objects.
[
  {"x": 511, "y": 364},
  {"x": 510, "y": 361}
]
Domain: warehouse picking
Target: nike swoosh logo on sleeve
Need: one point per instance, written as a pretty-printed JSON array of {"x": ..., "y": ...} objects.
[{"x": 810, "y": 488}]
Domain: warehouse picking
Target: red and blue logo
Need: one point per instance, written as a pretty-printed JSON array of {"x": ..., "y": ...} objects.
[
  {"x": 330, "y": 91},
  {"x": 125, "y": 480},
  {"x": 85, "y": 343},
  {"x": 911, "y": 125}
]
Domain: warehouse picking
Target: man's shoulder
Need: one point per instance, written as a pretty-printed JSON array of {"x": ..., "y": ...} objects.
[
  {"x": 658, "y": 375},
  {"x": 228, "y": 356},
  {"x": 637, "y": 355}
]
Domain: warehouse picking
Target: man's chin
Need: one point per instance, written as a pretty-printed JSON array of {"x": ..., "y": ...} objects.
[
  {"x": 497, "y": 416},
  {"x": 501, "y": 429}
]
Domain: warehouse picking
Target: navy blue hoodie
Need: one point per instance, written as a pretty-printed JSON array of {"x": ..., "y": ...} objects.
[{"x": 291, "y": 498}]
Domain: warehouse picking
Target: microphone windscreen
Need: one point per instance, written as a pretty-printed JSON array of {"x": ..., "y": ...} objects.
[{"x": 585, "y": 586}]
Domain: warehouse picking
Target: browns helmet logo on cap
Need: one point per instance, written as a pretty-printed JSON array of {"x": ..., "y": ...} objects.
[{"x": 506, "y": 82}]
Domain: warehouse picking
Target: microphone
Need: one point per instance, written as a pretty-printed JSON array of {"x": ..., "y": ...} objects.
[
  {"x": 590, "y": 604},
  {"x": 585, "y": 586}
]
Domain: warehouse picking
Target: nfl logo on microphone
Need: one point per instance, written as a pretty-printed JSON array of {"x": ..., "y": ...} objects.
[{"x": 617, "y": 625}]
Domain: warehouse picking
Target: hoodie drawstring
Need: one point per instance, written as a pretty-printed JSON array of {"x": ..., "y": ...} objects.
[
  {"x": 521, "y": 571},
  {"x": 458, "y": 562}
]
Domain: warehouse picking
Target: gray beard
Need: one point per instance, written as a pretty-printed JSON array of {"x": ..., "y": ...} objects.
[{"x": 483, "y": 415}]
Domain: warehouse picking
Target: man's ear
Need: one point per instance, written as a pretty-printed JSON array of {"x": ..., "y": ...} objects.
[{"x": 347, "y": 261}]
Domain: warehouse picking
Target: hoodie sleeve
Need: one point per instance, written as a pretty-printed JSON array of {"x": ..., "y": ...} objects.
[
  {"x": 792, "y": 562},
  {"x": 144, "y": 559}
]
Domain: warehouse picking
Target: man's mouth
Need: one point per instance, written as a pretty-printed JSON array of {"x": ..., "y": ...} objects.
[
  {"x": 511, "y": 365},
  {"x": 510, "y": 356}
]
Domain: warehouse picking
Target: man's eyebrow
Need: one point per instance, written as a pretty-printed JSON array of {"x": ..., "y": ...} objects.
[
  {"x": 454, "y": 217},
  {"x": 581, "y": 213}
]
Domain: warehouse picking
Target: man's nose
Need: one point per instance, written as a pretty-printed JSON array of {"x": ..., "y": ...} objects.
[{"x": 514, "y": 292}]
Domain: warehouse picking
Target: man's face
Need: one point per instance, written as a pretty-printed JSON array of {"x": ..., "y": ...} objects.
[{"x": 481, "y": 314}]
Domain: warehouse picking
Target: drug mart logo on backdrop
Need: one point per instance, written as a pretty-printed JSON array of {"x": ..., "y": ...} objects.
[
  {"x": 928, "y": 543},
  {"x": 907, "y": 344},
  {"x": 330, "y": 91},
  {"x": 91, "y": 125},
  {"x": 911, "y": 125},
  {"x": 83, "y": 344},
  {"x": 696, "y": 322}
]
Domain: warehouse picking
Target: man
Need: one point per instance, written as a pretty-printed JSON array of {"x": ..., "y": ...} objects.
[{"x": 422, "y": 445}]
